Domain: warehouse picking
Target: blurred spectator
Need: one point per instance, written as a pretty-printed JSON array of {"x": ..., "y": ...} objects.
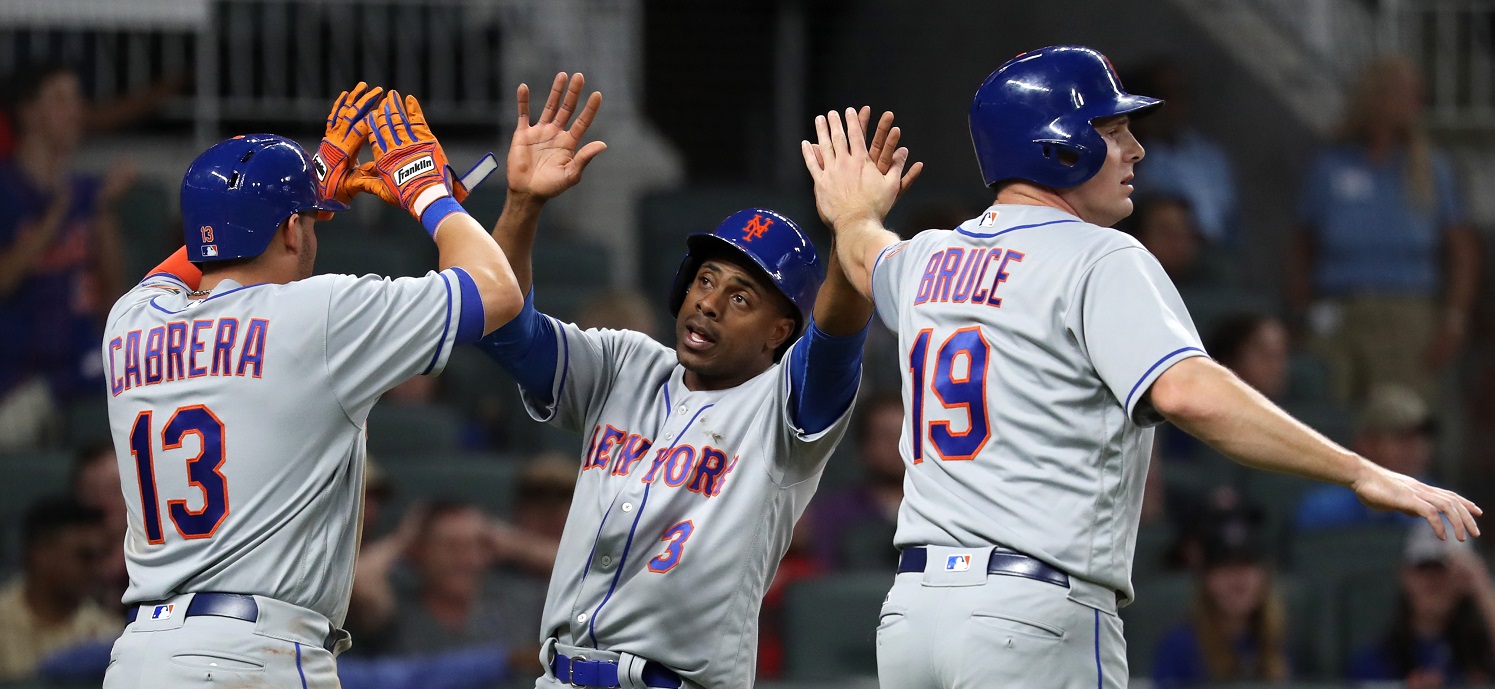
[
  {"x": 123, "y": 111},
  {"x": 1255, "y": 347},
  {"x": 797, "y": 564},
  {"x": 96, "y": 485},
  {"x": 372, "y": 603},
  {"x": 1445, "y": 620},
  {"x": 1395, "y": 431},
  {"x": 1180, "y": 160},
  {"x": 620, "y": 310},
  {"x": 1383, "y": 237},
  {"x": 846, "y": 523},
  {"x": 51, "y": 605},
  {"x": 455, "y": 602},
  {"x": 60, "y": 258},
  {"x": 1237, "y": 630},
  {"x": 418, "y": 391},
  {"x": 1165, "y": 225}
]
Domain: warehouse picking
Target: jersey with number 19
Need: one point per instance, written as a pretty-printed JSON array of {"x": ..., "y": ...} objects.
[
  {"x": 1028, "y": 340},
  {"x": 239, "y": 422}
]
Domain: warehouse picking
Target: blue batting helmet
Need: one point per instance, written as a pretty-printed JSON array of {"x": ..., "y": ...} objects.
[
  {"x": 237, "y": 193},
  {"x": 773, "y": 243},
  {"x": 1041, "y": 104}
]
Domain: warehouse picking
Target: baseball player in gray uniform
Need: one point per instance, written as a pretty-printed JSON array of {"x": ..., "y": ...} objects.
[
  {"x": 1039, "y": 348},
  {"x": 696, "y": 461},
  {"x": 239, "y": 394}
]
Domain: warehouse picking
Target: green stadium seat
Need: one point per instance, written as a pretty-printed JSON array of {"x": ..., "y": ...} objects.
[
  {"x": 413, "y": 429},
  {"x": 1308, "y": 379},
  {"x": 31, "y": 476},
  {"x": 831, "y": 626},
  {"x": 1349, "y": 550},
  {"x": 1153, "y": 542},
  {"x": 1278, "y": 495},
  {"x": 147, "y": 234},
  {"x": 1162, "y": 603},
  {"x": 485, "y": 480},
  {"x": 567, "y": 262},
  {"x": 359, "y": 256},
  {"x": 1328, "y": 418},
  {"x": 1211, "y": 306},
  {"x": 1367, "y": 604},
  {"x": 87, "y": 422},
  {"x": 868, "y": 547}
]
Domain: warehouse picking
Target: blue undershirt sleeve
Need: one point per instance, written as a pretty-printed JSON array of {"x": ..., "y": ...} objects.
[
  {"x": 824, "y": 372},
  {"x": 526, "y": 347}
]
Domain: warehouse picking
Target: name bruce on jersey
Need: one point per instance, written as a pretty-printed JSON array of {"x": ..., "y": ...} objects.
[
  {"x": 959, "y": 275},
  {"x": 181, "y": 349}
]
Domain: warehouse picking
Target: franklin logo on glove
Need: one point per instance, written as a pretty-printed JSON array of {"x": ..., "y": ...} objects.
[{"x": 413, "y": 168}]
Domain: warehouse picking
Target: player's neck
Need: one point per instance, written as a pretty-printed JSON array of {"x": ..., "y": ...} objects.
[
  {"x": 696, "y": 382},
  {"x": 1026, "y": 194}
]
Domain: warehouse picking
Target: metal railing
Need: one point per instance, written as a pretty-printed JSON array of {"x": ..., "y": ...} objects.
[{"x": 1452, "y": 40}]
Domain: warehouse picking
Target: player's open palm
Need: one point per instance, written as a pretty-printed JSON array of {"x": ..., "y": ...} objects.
[
  {"x": 543, "y": 156},
  {"x": 1384, "y": 489},
  {"x": 853, "y": 182}
]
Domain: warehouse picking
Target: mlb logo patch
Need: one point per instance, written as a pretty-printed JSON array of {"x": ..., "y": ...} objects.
[
  {"x": 210, "y": 250},
  {"x": 958, "y": 563},
  {"x": 989, "y": 219},
  {"x": 162, "y": 612}
]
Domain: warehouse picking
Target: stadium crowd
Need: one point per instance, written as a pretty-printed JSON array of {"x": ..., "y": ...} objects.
[{"x": 1239, "y": 578}]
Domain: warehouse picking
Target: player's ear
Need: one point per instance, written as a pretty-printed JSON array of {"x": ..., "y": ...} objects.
[
  {"x": 291, "y": 236},
  {"x": 782, "y": 330}
]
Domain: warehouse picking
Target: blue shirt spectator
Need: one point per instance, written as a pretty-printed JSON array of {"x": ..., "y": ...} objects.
[
  {"x": 1179, "y": 662},
  {"x": 1369, "y": 232},
  {"x": 1197, "y": 169}
]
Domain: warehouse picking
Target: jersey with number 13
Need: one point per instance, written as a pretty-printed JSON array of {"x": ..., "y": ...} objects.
[
  {"x": 238, "y": 421},
  {"x": 1028, "y": 340}
]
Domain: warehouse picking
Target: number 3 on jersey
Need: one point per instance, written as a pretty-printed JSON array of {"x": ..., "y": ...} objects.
[
  {"x": 959, "y": 382},
  {"x": 205, "y": 471}
]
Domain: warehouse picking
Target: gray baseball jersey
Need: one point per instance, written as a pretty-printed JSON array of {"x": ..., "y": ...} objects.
[
  {"x": 1028, "y": 339},
  {"x": 684, "y": 505},
  {"x": 239, "y": 422}
]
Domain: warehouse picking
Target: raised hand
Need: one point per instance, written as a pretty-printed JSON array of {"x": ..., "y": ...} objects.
[
  {"x": 850, "y": 184},
  {"x": 1384, "y": 489},
  {"x": 543, "y": 158},
  {"x": 347, "y": 128},
  {"x": 409, "y": 162}
]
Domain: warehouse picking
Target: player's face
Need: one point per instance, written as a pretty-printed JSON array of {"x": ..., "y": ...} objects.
[
  {"x": 729, "y": 325},
  {"x": 1106, "y": 198}
]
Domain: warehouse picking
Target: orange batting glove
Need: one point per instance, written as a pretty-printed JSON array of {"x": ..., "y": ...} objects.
[
  {"x": 407, "y": 157},
  {"x": 347, "y": 128}
]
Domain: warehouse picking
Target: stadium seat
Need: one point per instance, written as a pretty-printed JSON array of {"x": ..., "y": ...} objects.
[
  {"x": 868, "y": 547},
  {"x": 1328, "y": 418},
  {"x": 31, "y": 476},
  {"x": 413, "y": 429},
  {"x": 88, "y": 422},
  {"x": 1153, "y": 542},
  {"x": 831, "y": 626},
  {"x": 1308, "y": 379},
  {"x": 1162, "y": 603},
  {"x": 482, "y": 479},
  {"x": 561, "y": 261},
  {"x": 358, "y": 256},
  {"x": 147, "y": 234},
  {"x": 1367, "y": 604},
  {"x": 1349, "y": 550},
  {"x": 1278, "y": 495}
]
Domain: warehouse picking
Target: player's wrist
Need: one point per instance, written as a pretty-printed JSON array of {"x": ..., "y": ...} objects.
[{"x": 438, "y": 210}]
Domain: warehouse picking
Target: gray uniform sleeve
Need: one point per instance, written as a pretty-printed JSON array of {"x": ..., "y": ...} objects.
[
  {"x": 590, "y": 364},
  {"x": 887, "y": 278},
  {"x": 1131, "y": 323},
  {"x": 382, "y": 332}
]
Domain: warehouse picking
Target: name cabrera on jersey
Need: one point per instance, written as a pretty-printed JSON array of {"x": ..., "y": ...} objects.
[
  {"x": 239, "y": 423},
  {"x": 685, "y": 503},
  {"x": 1028, "y": 338}
]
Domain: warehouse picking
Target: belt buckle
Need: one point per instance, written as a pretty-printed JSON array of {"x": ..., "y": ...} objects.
[{"x": 572, "y": 670}]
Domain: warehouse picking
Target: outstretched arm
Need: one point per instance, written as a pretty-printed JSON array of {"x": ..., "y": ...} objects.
[
  {"x": 853, "y": 192},
  {"x": 1211, "y": 403},
  {"x": 543, "y": 162}
]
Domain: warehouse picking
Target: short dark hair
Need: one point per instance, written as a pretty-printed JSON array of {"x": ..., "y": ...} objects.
[
  {"x": 48, "y": 517},
  {"x": 1230, "y": 337},
  {"x": 27, "y": 82}
]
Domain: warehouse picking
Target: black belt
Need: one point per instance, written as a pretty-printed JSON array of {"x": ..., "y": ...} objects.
[
  {"x": 1006, "y": 562},
  {"x": 231, "y": 605},
  {"x": 580, "y": 672}
]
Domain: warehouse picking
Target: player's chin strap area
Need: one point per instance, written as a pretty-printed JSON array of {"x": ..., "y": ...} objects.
[{"x": 571, "y": 665}]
